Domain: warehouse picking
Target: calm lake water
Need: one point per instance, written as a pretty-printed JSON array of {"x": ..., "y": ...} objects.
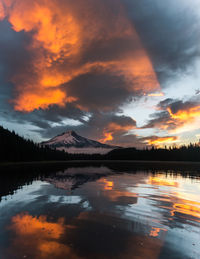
[{"x": 97, "y": 212}]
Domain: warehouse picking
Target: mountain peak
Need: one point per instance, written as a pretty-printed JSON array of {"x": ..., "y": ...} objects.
[
  {"x": 69, "y": 133},
  {"x": 71, "y": 141}
]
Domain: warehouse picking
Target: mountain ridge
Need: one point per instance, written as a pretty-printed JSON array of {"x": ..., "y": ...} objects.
[{"x": 71, "y": 142}]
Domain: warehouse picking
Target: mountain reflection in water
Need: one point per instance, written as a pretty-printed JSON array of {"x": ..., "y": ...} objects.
[{"x": 98, "y": 212}]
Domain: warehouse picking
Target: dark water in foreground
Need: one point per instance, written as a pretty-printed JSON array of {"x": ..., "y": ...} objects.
[{"x": 95, "y": 212}]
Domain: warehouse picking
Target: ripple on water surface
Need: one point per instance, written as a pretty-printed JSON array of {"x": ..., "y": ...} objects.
[{"x": 96, "y": 213}]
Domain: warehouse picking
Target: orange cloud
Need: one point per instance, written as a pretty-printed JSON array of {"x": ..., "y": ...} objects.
[
  {"x": 107, "y": 137},
  {"x": 113, "y": 128},
  {"x": 60, "y": 33},
  {"x": 177, "y": 116},
  {"x": 2, "y": 12},
  {"x": 156, "y": 94},
  {"x": 27, "y": 102},
  {"x": 185, "y": 115},
  {"x": 159, "y": 141}
]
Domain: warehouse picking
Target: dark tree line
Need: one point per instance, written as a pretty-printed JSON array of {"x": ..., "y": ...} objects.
[
  {"x": 15, "y": 148},
  {"x": 183, "y": 153}
]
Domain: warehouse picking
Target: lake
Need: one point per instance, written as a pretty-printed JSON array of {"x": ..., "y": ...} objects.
[{"x": 100, "y": 212}]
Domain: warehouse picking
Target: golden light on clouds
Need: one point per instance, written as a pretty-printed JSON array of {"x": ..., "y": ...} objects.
[
  {"x": 2, "y": 13},
  {"x": 27, "y": 102},
  {"x": 60, "y": 34},
  {"x": 185, "y": 115},
  {"x": 186, "y": 119},
  {"x": 107, "y": 137},
  {"x": 156, "y": 94},
  {"x": 112, "y": 129},
  {"x": 159, "y": 141}
]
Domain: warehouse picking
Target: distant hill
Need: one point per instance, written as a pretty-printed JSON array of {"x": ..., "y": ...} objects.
[
  {"x": 71, "y": 142},
  {"x": 15, "y": 148}
]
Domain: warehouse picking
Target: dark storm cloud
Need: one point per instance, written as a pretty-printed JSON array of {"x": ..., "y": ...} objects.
[
  {"x": 169, "y": 31},
  {"x": 14, "y": 58},
  {"x": 113, "y": 49},
  {"x": 13, "y": 53},
  {"x": 97, "y": 91},
  {"x": 44, "y": 119},
  {"x": 57, "y": 114}
]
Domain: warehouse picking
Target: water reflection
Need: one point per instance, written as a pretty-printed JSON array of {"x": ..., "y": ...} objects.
[
  {"x": 95, "y": 212},
  {"x": 161, "y": 180},
  {"x": 37, "y": 232}
]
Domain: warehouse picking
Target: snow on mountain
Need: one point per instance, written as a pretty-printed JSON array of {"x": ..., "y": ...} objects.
[
  {"x": 74, "y": 177},
  {"x": 71, "y": 142}
]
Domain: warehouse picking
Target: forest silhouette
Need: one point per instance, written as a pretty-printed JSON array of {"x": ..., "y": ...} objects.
[{"x": 14, "y": 148}]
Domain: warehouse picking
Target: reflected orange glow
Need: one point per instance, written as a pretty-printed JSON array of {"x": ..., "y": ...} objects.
[
  {"x": 154, "y": 232},
  {"x": 192, "y": 210},
  {"x": 161, "y": 140},
  {"x": 38, "y": 237},
  {"x": 187, "y": 204},
  {"x": 59, "y": 35},
  {"x": 108, "y": 185},
  {"x": 25, "y": 224},
  {"x": 184, "y": 203},
  {"x": 56, "y": 249},
  {"x": 116, "y": 194},
  {"x": 162, "y": 181}
]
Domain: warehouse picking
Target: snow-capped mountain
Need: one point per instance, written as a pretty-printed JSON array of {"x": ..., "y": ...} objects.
[
  {"x": 71, "y": 142},
  {"x": 74, "y": 177}
]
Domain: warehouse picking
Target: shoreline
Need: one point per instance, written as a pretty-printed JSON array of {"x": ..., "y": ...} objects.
[
  {"x": 140, "y": 164},
  {"x": 97, "y": 161}
]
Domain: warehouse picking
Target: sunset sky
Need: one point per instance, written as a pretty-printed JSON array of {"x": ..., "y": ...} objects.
[{"x": 124, "y": 72}]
